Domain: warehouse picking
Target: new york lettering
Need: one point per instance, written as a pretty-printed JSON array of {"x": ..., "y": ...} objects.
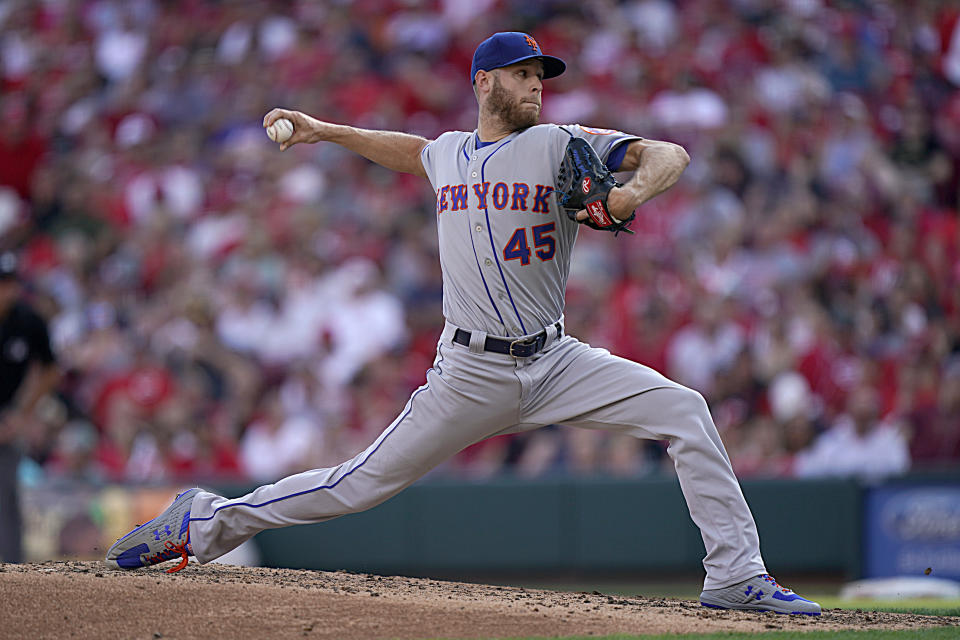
[{"x": 515, "y": 197}]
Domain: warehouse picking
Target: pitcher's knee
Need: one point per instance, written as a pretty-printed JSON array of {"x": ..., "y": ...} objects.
[
  {"x": 688, "y": 410},
  {"x": 691, "y": 401}
]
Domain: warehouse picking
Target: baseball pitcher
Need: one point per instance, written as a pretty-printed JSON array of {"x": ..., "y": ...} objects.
[{"x": 511, "y": 197}]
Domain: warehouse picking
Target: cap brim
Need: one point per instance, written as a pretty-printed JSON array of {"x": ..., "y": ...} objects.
[{"x": 552, "y": 66}]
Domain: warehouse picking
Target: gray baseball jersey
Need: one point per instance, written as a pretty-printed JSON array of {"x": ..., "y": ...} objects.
[
  {"x": 504, "y": 244},
  {"x": 505, "y": 251}
]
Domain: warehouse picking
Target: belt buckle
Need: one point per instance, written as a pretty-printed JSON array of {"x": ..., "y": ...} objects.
[{"x": 522, "y": 341}]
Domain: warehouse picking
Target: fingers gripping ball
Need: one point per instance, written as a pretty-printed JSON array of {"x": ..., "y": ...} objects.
[{"x": 280, "y": 131}]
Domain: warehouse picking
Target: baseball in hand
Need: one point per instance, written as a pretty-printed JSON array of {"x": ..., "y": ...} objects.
[{"x": 280, "y": 131}]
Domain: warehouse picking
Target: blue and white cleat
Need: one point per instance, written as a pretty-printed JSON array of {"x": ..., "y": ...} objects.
[
  {"x": 760, "y": 593},
  {"x": 164, "y": 538}
]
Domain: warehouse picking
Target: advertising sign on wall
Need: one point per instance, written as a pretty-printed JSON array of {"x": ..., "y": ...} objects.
[
  {"x": 909, "y": 529},
  {"x": 78, "y": 521}
]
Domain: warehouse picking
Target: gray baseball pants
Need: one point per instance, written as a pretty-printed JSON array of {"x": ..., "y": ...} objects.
[{"x": 471, "y": 395}]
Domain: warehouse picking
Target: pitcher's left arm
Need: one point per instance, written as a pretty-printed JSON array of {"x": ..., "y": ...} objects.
[{"x": 656, "y": 165}]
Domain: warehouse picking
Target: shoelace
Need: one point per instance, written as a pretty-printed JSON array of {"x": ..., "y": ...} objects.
[
  {"x": 769, "y": 578},
  {"x": 172, "y": 551}
]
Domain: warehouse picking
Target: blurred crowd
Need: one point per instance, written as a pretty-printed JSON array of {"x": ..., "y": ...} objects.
[{"x": 226, "y": 311}]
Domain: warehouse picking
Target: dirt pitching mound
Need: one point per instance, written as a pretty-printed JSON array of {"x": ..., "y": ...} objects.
[{"x": 88, "y": 600}]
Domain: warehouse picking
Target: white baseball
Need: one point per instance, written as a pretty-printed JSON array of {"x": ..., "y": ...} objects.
[{"x": 280, "y": 131}]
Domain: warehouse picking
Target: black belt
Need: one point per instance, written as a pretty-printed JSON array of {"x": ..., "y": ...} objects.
[{"x": 519, "y": 348}]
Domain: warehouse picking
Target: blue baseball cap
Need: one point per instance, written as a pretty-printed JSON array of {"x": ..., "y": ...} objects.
[{"x": 508, "y": 47}]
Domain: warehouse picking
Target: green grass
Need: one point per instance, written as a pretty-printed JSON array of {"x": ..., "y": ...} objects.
[
  {"x": 919, "y": 634},
  {"x": 920, "y": 606}
]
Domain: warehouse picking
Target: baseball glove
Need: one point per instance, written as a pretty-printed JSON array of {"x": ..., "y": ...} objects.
[{"x": 584, "y": 183}]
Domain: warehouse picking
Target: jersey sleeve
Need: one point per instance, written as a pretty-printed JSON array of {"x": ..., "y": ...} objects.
[
  {"x": 604, "y": 142},
  {"x": 435, "y": 152}
]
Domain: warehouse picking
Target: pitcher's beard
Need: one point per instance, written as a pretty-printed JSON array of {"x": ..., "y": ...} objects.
[{"x": 513, "y": 114}]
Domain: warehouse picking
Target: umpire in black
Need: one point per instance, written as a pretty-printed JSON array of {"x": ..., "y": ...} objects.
[{"x": 28, "y": 371}]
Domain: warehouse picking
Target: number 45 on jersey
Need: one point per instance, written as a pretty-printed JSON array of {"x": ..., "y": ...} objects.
[{"x": 519, "y": 249}]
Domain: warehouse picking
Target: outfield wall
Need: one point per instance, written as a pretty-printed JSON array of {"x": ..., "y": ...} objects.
[
  {"x": 559, "y": 525},
  {"x": 571, "y": 526}
]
